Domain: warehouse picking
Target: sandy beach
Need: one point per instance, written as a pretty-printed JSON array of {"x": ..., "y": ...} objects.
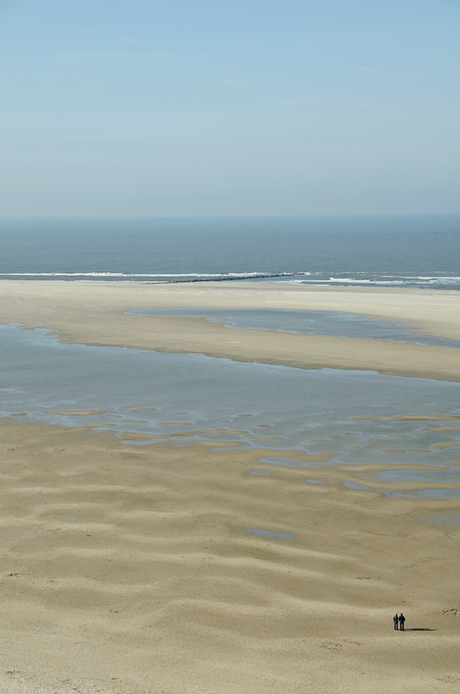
[{"x": 133, "y": 569}]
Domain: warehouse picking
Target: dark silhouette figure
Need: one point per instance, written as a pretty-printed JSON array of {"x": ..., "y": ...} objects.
[
  {"x": 395, "y": 621},
  {"x": 402, "y": 619}
]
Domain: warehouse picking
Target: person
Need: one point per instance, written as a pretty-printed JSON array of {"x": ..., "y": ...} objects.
[
  {"x": 395, "y": 621},
  {"x": 402, "y": 619}
]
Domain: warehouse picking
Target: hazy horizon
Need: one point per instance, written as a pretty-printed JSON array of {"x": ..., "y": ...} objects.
[{"x": 209, "y": 217}]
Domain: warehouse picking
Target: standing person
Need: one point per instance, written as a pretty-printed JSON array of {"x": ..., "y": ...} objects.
[
  {"x": 402, "y": 619},
  {"x": 395, "y": 621}
]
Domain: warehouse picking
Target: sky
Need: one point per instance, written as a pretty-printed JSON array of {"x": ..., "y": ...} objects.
[{"x": 139, "y": 108}]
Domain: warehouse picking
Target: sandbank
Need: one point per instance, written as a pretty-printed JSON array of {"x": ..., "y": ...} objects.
[{"x": 94, "y": 314}]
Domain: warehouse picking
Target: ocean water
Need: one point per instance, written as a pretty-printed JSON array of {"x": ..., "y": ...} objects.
[{"x": 380, "y": 251}]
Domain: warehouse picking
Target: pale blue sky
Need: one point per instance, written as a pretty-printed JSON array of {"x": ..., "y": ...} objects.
[{"x": 197, "y": 108}]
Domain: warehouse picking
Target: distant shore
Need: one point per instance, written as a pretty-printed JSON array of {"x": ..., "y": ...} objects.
[{"x": 133, "y": 569}]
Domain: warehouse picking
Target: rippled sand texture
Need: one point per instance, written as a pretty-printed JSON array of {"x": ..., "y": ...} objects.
[{"x": 130, "y": 569}]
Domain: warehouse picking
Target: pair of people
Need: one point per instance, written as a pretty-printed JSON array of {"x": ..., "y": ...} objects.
[{"x": 401, "y": 619}]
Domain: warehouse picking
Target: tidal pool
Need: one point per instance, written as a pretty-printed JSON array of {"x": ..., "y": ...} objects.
[
  {"x": 148, "y": 396},
  {"x": 326, "y": 323}
]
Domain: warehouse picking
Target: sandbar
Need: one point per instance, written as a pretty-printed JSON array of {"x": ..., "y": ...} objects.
[{"x": 93, "y": 313}]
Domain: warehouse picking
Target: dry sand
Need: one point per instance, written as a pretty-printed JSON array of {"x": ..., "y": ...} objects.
[{"x": 132, "y": 569}]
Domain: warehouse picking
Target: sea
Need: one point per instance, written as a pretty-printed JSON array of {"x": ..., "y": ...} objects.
[
  {"x": 410, "y": 427},
  {"x": 404, "y": 251}
]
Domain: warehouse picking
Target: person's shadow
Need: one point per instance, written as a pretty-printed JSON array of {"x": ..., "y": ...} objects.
[{"x": 419, "y": 629}]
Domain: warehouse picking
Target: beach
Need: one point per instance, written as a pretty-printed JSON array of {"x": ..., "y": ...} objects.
[
  {"x": 174, "y": 568},
  {"x": 94, "y": 313}
]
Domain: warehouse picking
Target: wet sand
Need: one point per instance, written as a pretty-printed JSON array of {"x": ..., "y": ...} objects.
[{"x": 132, "y": 569}]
